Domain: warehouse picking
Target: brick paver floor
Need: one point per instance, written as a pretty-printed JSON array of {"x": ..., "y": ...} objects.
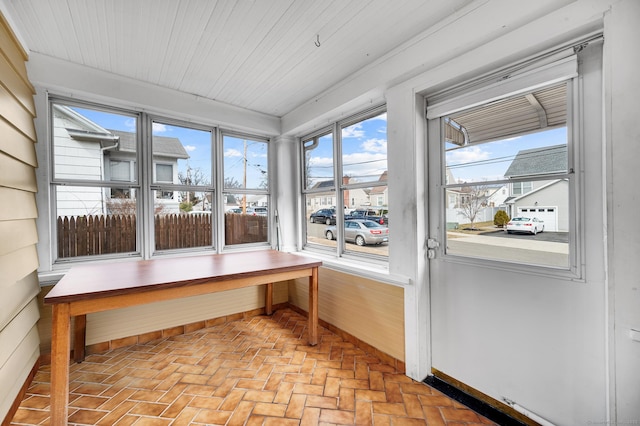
[{"x": 255, "y": 371}]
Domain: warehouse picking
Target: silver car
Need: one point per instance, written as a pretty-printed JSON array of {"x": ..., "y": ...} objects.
[{"x": 360, "y": 232}]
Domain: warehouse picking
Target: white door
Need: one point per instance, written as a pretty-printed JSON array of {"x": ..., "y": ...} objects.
[{"x": 507, "y": 315}]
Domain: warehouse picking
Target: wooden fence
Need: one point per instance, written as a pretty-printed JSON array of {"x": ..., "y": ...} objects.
[{"x": 106, "y": 234}]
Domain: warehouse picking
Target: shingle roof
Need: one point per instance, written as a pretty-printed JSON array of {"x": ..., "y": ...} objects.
[
  {"x": 162, "y": 145},
  {"x": 529, "y": 162}
]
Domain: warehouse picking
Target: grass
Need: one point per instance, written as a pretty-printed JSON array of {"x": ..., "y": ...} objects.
[{"x": 479, "y": 228}]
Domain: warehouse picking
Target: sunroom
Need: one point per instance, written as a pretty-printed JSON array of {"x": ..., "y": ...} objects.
[{"x": 166, "y": 131}]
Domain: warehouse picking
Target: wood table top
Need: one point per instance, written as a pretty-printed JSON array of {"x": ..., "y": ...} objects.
[{"x": 84, "y": 282}]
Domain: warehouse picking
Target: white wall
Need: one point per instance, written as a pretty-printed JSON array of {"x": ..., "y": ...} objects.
[{"x": 622, "y": 105}]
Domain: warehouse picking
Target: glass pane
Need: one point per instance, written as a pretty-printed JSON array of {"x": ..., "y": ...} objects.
[
  {"x": 367, "y": 225},
  {"x": 187, "y": 151},
  {"x": 318, "y": 162},
  {"x": 507, "y": 180},
  {"x": 245, "y": 163},
  {"x": 175, "y": 228},
  {"x": 523, "y": 156},
  {"x": 532, "y": 229},
  {"x": 321, "y": 215},
  {"x": 364, "y": 150},
  {"x": 246, "y": 218},
  {"x": 164, "y": 173},
  {"x": 86, "y": 141},
  {"x": 93, "y": 221}
]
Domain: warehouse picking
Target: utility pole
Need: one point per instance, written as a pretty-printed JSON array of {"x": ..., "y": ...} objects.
[{"x": 244, "y": 178}]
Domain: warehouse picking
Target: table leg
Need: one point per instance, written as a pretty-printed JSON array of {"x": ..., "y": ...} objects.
[
  {"x": 79, "y": 337},
  {"x": 313, "y": 307},
  {"x": 268, "y": 302},
  {"x": 60, "y": 341}
]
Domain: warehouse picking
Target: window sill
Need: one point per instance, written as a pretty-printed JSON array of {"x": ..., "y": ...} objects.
[{"x": 376, "y": 271}]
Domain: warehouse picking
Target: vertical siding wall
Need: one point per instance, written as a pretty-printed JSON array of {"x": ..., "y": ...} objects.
[
  {"x": 371, "y": 311},
  {"x": 19, "y": 342}
]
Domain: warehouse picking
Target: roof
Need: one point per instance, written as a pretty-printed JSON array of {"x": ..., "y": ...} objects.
[
  {"x": 162, "y": 145},
  {"x": 536, "y": 161}
]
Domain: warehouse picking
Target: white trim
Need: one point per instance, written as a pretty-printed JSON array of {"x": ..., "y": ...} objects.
[{"x": 508, "y": 85}]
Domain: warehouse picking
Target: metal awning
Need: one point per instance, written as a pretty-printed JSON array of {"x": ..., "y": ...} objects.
[{"x": 505, "y": 118}]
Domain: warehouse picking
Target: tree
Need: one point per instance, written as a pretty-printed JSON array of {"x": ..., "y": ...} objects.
[
  {"x": 501, "y": 218},
  {"x": 195, "y": 177},
  {"x": 474, "y": 198}
]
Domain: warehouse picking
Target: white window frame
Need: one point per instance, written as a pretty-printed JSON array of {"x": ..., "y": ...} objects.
[
  {"x": 142, "y": 184},
  {"x": 559, "y": 67},
  {"x": 338, "y": 189}
]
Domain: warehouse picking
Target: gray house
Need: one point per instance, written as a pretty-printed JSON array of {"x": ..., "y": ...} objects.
[{"x": 547, "y": 200}]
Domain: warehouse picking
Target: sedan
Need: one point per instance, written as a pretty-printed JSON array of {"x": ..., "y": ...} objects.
[
  {"x": 327, "y": 216},
  {"x": 531, "y": 225},
  {"x": 360, "y": 232}
]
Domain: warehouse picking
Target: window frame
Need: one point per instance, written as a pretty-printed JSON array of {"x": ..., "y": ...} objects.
[
  {"x": 338, "y": 189},
  {"x": 142, "y": 185},
  {"x": 223, "y": 192},
  {"x": 574, "y": 270}
]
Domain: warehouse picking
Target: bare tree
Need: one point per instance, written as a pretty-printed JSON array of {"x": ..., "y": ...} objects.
[
  {"x": 192, "y": 176},
  {"x": 474, "y": 198}
]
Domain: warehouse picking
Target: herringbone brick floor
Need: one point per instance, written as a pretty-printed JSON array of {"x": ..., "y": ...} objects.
[{"x": 256, "y": 371}]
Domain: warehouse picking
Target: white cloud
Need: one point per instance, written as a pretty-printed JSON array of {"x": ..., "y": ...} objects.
[
  {"x": 232, "y": 153},
  {"x": 159, "y": 128},
  {"x": 130, "y": 124},
  {"x": 375, "y": 145},
  {"x": 466, "y": 155},
  {"x": 189, "y": 148},
  {"x": 354, "y": 131}
]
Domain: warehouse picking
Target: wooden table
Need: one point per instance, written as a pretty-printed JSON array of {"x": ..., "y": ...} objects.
[{"x": 100, "y": 287}]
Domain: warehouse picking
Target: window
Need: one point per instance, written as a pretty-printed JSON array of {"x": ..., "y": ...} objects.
[
  {"x": 102, "y": 199},
  {"x": 345, "y": 168},
  {"x": 93, "y": 181},
  {"x": 246, "y": 189},
  {"x": 510, "y": 155}
]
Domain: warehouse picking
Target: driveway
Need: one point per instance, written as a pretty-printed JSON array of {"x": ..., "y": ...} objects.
[{"x": 553, "y": 237}]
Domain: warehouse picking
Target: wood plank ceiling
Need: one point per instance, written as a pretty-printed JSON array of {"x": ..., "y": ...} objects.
[{"x": 257, "y": 55}]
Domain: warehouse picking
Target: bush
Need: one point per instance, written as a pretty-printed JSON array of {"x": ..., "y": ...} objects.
[
  {"x": 186, "y": 206},
  {"x": 501, "y": 218}
]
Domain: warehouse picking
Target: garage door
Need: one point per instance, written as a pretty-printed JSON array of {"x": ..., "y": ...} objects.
[{"x": 548, "y": 214}]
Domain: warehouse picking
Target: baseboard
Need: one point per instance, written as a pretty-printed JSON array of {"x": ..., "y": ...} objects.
[
  {"x": 481, "y": 403},
  {"x": 397, "y": 364},
  {"x": 23, "y": 391}
]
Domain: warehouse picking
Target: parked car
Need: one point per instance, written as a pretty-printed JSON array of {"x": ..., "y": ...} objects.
[
  {"x": 326, "y": 216},
  {"x": 531, "y": 225},
  {"x": 238, "y": 210},
  {"x": 368, "y": 214},
  {"x": 360, "y": 232},
  {"x": 260, "y": 211}
]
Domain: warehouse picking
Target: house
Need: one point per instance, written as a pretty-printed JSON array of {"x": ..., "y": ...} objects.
[
  {"x": 556, "y": 343},
  {"x": 546, "y": 200},
  {"x": 86, "y": 151}
]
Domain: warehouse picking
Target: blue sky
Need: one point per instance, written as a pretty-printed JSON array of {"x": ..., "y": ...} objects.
[
  {"x": 364, "y": 151},
  {"x": 489, "y": 161}
]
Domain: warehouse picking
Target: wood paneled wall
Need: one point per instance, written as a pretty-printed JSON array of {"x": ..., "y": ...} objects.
[
  {"x": 19, "y": 341},
  {"x": 371, "y": 311}
]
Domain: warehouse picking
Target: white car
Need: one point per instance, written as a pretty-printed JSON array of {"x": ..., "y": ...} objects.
[{"x": 531, "y": 225}]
